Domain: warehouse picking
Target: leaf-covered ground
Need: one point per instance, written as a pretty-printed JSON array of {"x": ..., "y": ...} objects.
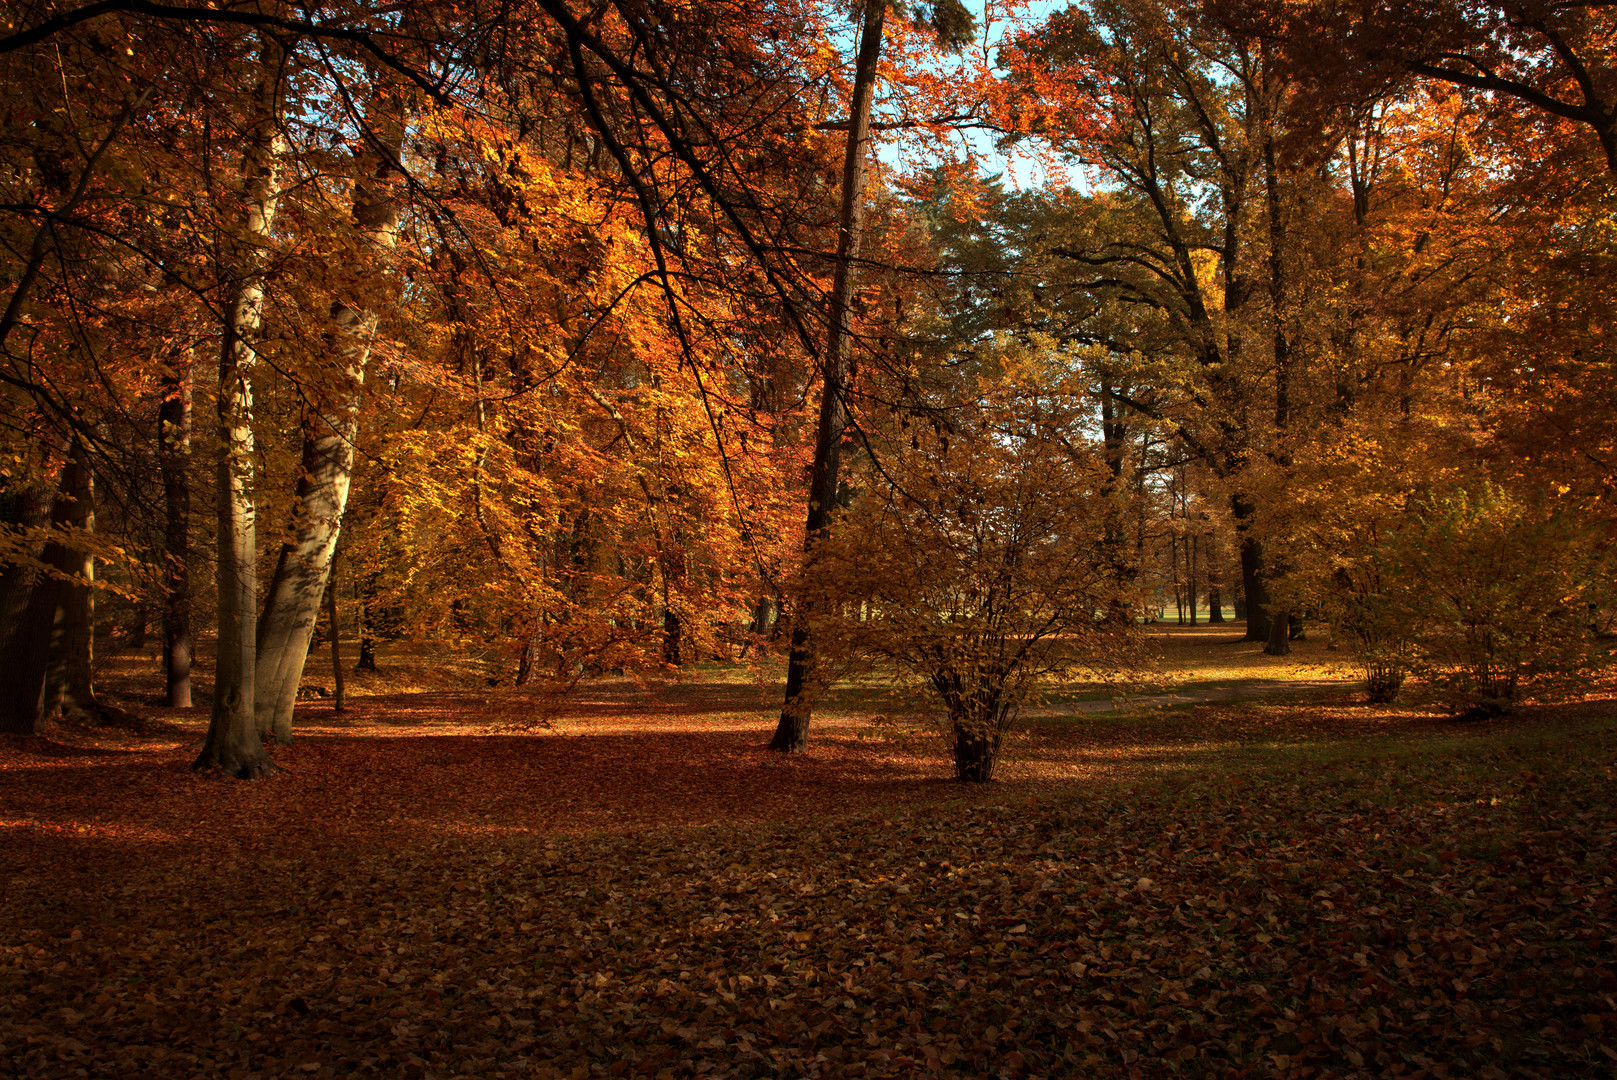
[{"x": 1304, "y": 888}]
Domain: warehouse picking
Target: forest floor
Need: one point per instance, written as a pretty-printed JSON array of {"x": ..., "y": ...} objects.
[{"x": 1296, "y": 885}]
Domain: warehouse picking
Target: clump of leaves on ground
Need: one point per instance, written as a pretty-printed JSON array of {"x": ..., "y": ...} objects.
[{"x": 1422, "y": 914}]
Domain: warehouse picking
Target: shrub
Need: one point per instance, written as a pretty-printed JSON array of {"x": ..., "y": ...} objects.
[
  {"x": 973, "y": 562},
  {"x": 1503, "y": 594}
]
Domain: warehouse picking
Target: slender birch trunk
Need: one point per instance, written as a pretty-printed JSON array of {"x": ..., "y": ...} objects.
[
  {"x": 330, "y": 426},
  {"x": 233, "y": 743},
  {"x": 791, "y": 734}
]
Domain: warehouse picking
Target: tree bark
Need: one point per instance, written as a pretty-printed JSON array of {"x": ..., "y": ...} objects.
[
  {"x": 535, "y": 650},
  {"x": 174, "y": 459},
  {"x": 977, "y": 743},
  {"x": 1114, "y": 451},
  {"x": 672, "y": 630},
  {"x": 1253, "y": 589},
  {"x": 337, "y": 702},
  {"x": 1215, "y": 605},
  {"x": 365, "y": 612},
  {"x": 330, "y": 426},
  {"x": 70, "y": 679},
  {"x": 1279, "y": 643},
  {"x": 1280, "y": 621},
  {"x": 1190, "y": 575},
  {"x": 139, "y": 629},
  {"x": 233, "y": 743},
  {"x": 27, "y": 605},
  {"x": 791, "y": 734},
  {"x": 28, "y": 597}
]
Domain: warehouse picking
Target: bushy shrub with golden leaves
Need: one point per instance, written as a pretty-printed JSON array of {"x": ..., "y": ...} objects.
[{"x": 1504, "y": 594}]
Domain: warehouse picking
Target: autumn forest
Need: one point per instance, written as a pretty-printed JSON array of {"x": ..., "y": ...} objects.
[{"x": 720, "y": 539}]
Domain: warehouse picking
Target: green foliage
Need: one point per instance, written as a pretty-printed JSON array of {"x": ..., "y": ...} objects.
[{"x": 951, "y": 22}]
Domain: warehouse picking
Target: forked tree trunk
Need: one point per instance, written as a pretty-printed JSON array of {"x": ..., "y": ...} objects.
[
  {"x": 233, "y": 743},
  {"x": 535, "y": 649},
  {"x": 977, "y": 742},
  {"x": 174, "y": 459},
  {"x": 27, "y": 605},
  {"x": 330, "y": 426},
  {"x": 791, "y": 734},
  {"x": 70, "y": 679}
]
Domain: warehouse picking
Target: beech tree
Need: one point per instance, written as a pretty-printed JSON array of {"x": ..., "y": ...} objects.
[
  {"x": 301, "y": 237},
  {"x": 330, "y": 426},
  {"x": 1178, "y": 117}
]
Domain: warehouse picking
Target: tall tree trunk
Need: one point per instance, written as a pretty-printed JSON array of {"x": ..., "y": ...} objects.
[
  {"x": 1114, "y": 443},
  {"x": 536, "y": 649},
  {"x": 791, "y": 734},
  {"x": 174, "y": 460},
  {"x": 1178, "y": 585},
  {"x": 337, "y": 697},
  {"x": 70, "y": 679},
  {"x": 1190, "y": 575},
  {"x": 1279, "y": 642},
  {"x": 672, "y": 630},
  {"x": 27, "y": 596},
  {"x": 1253, "y": 588},
  {"x": 27, "y": 605},
  {"x": 366, "y": 611},
  {"x": 139, "y": 629},
  {"x": 330, "y": 426},
  {"x": 233, "y": 743}
]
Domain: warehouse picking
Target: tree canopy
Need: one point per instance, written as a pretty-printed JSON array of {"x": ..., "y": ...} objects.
[{"x": 610, "y": 339}]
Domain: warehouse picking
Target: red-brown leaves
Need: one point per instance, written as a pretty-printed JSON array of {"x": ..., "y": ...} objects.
[{"x": 402, "y": 902}]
